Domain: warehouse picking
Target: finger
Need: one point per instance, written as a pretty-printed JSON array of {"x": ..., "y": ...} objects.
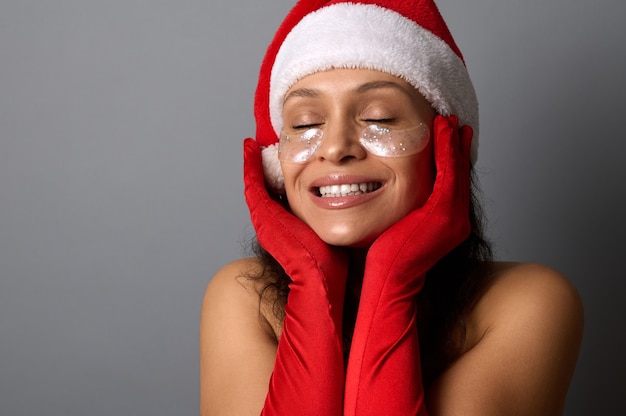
[{"x": 252, "y": 162}]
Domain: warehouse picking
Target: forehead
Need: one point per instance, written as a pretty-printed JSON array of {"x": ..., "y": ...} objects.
[
  {"x": 358, "y": 80},
  {"x": 357, "y": 83}
]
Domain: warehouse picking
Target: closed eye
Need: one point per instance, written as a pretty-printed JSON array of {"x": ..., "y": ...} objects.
[
  {"x": 306, "y": 126},
  {"x": 380, "y": 120}
]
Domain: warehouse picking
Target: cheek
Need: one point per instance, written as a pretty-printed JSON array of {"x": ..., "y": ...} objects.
[
  {"x": 290, "y": 174},
  {"x": 293, "y": 191}
]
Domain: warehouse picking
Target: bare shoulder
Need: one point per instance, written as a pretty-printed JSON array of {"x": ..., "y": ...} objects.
[
  {"x": 237, "y": 344},
  {"x": 231, "y": 280},
  {"x": 527, "y": 291},
  {"x": 524, "y": 335},
  {"x": 231, "y": 294}
]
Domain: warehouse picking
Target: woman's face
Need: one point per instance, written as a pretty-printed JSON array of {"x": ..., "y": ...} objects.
[{"x": 342, "y": 102}]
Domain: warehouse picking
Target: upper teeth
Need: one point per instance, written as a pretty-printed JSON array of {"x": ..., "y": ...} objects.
[{"x": 347, "y": 189}]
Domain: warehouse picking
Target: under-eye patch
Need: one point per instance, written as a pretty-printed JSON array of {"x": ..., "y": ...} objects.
[{"x": 299, "y": 147}]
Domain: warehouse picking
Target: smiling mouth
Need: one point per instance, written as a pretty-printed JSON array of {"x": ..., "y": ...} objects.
[{"x": 347, "y": 189}]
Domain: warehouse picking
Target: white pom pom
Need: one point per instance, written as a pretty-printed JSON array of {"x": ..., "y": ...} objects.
[{"x": 271, "y": 167}]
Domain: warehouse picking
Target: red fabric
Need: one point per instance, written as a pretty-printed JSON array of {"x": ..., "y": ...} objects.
[
  {"x": 308, "y": 377},
  {"x": 384, "y": 371}
]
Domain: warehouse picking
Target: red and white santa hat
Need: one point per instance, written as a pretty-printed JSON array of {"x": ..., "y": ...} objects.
[{"x": 405, "y": 38}]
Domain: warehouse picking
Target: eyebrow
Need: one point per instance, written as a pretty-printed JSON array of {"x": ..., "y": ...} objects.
[
  {"x": 302, "y": 93},
  {"x": 374, "y": 85},
  {"x": 361, "y": 89}
]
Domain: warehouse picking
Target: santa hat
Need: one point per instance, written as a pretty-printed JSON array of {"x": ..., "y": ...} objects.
[{"x": 408, "y": 39}]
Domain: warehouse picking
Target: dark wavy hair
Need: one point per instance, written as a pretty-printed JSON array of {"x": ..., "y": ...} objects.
[{"x": 451, "y": 289}]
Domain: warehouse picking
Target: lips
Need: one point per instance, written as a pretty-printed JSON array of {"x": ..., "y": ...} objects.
[
  {"x": 347, "y": 189},
  {"x": 338, "y": 191}
]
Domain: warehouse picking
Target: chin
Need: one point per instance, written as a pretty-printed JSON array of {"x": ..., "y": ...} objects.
[
  {"x": 347, "y": 237},
  {"x": 349, "y": 243}
]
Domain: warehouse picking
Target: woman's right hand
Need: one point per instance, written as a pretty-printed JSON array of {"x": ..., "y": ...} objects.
[{"x": 290, "y": 241}]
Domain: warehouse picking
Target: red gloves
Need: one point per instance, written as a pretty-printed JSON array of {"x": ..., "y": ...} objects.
[
  {"x": 308, "y": 377},
  {"x": 384, "y": 371}
]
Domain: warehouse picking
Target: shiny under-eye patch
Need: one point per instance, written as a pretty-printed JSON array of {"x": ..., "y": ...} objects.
[
  {"x": 299, "y": 147},
  {"x": 387, "y": 142}
]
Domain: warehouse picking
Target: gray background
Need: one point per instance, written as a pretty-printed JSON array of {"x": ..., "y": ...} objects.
[{"x": 120, "y": 182}]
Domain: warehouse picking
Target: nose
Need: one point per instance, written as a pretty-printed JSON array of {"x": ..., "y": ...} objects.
[{"x": 340, "y": 143}]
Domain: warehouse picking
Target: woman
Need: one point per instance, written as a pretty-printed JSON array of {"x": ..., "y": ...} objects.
[{"x": 373, "y": 290}]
